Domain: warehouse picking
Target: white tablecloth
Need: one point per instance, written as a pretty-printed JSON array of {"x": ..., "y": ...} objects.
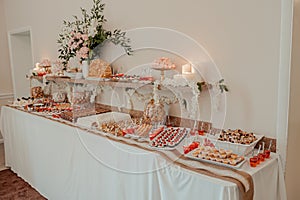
[{"x": 63, "y": 162}]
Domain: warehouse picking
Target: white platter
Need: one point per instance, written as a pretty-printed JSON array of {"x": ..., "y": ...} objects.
[
  {"x": 240, "y": 149},
  {"x": 189, "y": 155},
  {"x": 170, "y": 147}
]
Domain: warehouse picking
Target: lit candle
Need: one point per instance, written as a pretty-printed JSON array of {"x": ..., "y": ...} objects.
[{"x": 186, "y": 69}]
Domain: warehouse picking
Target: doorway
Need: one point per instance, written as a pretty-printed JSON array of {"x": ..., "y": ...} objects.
[{"x": 21, "y": 60}]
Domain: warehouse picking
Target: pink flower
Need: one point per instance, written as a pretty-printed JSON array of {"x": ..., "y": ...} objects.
[
  {"x": 78, "y": 35},
  {"x": 74, "y": 46},
  {"x": 70, "y": 42},
  {"x": 164, "y": 62},
  {"x": 85, "y": 37},
  {"x": 82, "y": 53}
]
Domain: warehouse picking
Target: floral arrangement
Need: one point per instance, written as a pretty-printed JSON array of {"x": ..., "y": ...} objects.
[
  {"x": 45, "y": 63},
  {"x": 42, "y": 68},
  {"x": 164, "y": 63},
  {"x": 78, "y": 44},
  {"x": 57, "y": 68},
  {"x": 81, "y": 37}
]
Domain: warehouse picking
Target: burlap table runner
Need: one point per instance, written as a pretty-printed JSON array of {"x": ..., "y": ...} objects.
[{"x": 242, "y": 179}]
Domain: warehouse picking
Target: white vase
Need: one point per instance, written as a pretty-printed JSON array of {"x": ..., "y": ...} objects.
[{"x": 85, "y": 69}]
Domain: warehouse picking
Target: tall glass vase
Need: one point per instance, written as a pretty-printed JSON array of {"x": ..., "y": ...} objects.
[{"x": 85, "y": 68}]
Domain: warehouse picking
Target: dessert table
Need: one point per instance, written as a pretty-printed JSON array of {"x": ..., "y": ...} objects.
[{"x": 64, "y": 162}]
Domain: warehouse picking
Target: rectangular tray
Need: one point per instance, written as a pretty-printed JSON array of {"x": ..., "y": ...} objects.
[
  {"x": 169, "y": 148},
  {"x": 190, "y": 156},
  {"x": 240, "y": 149}
]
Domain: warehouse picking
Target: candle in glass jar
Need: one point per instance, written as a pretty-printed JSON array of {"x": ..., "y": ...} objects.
[
  {"x": 267, "y": 153},
  {"x": 186, "y": 69},
  {"x": 254, "y": 161}
]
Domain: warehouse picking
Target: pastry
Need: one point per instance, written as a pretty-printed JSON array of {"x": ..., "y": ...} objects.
[
  {"x": 99, "y": 69},
  {"x": 37, "y": 92}
]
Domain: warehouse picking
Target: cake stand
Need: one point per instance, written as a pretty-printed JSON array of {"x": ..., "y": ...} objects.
[{"x": 162, "y": 72}]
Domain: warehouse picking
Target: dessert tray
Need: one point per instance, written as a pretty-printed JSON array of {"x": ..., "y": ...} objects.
[
  {"x": 235, "y": 142},
  {"x": 167, "y": 138},
  {"x": 217, "y": 157},
  {"x": 112, "y": 116},
  {"x": 139, "y": 132},
  {"x": 240, "y": 142}
]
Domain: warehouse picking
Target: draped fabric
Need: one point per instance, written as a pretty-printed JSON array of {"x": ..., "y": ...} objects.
[{"x": 63, "y": 162}]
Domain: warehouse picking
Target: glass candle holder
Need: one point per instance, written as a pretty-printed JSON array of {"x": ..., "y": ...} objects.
[
  {"x": 254, "y": 161},
  {"x": 261, "y": 157},
  {"x": 267, "y": 154}
]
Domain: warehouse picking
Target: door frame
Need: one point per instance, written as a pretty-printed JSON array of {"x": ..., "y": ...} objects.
[{"x": 12, "y": 67}]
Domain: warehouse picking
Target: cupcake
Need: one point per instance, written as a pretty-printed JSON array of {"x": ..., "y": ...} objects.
[
  {"x": 234, "y": 156},
  {"x": 207, "y": 157},
  {"x": 195, "y": 153},
  {"x": 214, "y": 150},
  {"x": 222, "y": 151},
  {"x": 213, "y": 158},
  {"x": 225, "y": 161},
  {"x": 201, "y": 156},
  {"x": 211, "y": 154},
  {"x": 216, "y": 155},
  {"x": 232, "y": 162},
  {"x": 223, "y": 155},
  {"x": 228, "y": 153}
]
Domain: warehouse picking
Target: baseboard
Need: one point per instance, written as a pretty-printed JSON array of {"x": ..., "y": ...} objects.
[
  {"x": 6, "y": 95},
  {"x": 3, "y": 168}
]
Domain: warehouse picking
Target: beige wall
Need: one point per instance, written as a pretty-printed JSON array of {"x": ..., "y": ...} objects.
[
  {"x": 5, "y": 74},
  {"x": 293, "y": 163},
  {"x": 242, "y": 37}
]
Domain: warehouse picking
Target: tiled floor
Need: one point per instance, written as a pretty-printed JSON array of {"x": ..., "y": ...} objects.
[{"x": 2, "y": 166}]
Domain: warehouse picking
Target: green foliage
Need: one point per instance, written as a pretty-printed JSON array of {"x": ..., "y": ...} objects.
[
  {"x": 90, "y": 23},
  {"x": 220, "y": 84},
  {"x": 200, "y": 84}
]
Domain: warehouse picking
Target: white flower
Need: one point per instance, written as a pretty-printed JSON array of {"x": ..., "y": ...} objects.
[{"x": 93, "y": 28}]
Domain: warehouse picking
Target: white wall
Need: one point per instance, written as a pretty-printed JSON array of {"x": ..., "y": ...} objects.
[
  {"x": 242, "y": 37},
  {"x": 5, "y": 74},
  {"x": 293, "y": 164}
]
